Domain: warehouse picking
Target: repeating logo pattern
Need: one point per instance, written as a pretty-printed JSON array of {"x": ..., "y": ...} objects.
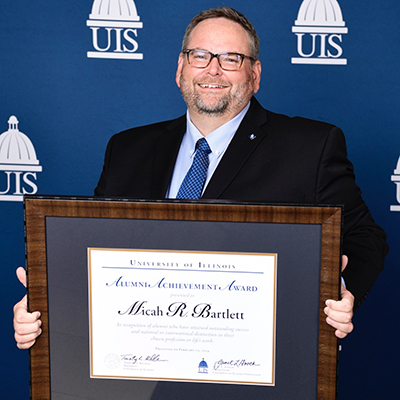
[
  {"x": 319, "y": 28},
  {"x": 18, "y": 164},
  {"x": 114, "y": 25}
]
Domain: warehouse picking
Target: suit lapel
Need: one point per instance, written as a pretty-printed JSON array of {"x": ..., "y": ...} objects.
[
  {"x": 245, "y": 141},
  {"x": 165, "y": 153}
]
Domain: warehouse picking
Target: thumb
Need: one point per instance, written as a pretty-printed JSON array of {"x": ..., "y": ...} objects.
[
  {"x": 22, "y": 304},
  {"x": 345, "y": 260},
  {"x": 21, "y": 275}
]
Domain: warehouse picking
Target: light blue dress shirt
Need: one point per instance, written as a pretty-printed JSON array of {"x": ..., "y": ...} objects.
[{"x": 218, "y": 141}]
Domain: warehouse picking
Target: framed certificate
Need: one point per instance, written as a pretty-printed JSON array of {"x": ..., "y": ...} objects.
[{"x": 171, "y": 299}]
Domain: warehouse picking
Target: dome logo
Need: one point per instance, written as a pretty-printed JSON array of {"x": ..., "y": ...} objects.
[
  {"x": 319, "y": 28},
  {"x": 396, "y": 180},
  {"x": 114, "y": 25},
  {"x": 18, "y": 164},
  {"x": 203, "y": 367}
]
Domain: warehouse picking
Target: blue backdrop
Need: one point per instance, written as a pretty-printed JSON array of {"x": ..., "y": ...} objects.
[{"x": 69, "y": 103}]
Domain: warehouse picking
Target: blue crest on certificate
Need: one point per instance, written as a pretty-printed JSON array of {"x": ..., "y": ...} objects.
[{"x": 203, "y": 367}]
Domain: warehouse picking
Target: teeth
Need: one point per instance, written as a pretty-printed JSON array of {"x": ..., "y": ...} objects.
[{"x": 210, "y": 86}]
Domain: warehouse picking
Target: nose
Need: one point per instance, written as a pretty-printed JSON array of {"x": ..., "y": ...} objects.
[{"x": 214, "y": 68}]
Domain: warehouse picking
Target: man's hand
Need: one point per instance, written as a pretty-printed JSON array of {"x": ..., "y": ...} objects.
[
  {"x": 26, "y": 325},
  {"x": 339, "y": 313}
]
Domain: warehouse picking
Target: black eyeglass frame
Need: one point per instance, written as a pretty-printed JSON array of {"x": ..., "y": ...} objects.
[{"x": 243, "y": 56}]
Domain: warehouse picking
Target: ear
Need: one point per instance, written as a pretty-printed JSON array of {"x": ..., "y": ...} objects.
[
  {"x": 256, "y": 70},
  {"x": 179, "y": 69}
]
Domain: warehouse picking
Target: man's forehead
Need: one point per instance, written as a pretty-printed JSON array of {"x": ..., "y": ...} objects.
[{"x": 219, "y": 34}]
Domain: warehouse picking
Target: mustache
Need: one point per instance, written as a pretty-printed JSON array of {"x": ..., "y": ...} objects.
[{"x": 211, "y": 82}]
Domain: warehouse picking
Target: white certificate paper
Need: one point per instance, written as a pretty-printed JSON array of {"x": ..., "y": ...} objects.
[{"x": 182, "y": 316}]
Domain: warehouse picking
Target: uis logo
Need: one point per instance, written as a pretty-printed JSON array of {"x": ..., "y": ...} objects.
[
  {"x": 18, "y": 164},
  {"x": 114, "y": 25},
  {"x": 396, "y": 180},
  {"x": 319, "y": 28},
  {"x": 203, "y": 367}
]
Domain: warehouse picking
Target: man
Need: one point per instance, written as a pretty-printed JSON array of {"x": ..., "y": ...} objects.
[{"x": 252, "y": 155}]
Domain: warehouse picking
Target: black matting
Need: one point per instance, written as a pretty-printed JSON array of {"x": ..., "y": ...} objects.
[{"x": 299, "y": 253}]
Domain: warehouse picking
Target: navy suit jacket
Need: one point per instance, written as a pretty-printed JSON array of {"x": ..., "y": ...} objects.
[{"x": 286, "y": 160}]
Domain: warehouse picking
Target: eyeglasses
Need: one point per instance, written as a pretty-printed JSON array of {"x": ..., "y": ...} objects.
[{"x": 227, "y": 61}]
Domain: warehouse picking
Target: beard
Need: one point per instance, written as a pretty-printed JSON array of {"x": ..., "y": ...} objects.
[{"x": 214, "y": 105}]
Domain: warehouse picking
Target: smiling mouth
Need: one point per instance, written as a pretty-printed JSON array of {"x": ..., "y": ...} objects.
[{"x": 211, "y": 86}]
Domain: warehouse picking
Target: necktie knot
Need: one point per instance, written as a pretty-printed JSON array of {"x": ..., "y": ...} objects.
[{"x": 202, "y": 145}]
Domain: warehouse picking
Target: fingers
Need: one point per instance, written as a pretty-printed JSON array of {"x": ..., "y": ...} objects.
[
  {"x": 27, "y": 325},
  {"x": 27, "y": 341},
  {"x": 342, "y": 330},
  {"x": 340, "y": 313}
]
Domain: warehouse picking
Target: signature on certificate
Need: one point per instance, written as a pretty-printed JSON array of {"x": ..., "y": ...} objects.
[
  {"x": 235, "y": 363},
  {"x": 133, "y": 359}
]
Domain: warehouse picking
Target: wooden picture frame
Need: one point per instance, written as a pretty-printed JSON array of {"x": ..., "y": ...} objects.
[{"x": 100, "y": 222}]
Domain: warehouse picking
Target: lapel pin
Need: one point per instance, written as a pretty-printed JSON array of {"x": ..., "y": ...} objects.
[{"x": 252, "y": 136}]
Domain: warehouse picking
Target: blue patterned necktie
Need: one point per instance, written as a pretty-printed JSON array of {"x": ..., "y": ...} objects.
[{"x": 192, "y": 185}]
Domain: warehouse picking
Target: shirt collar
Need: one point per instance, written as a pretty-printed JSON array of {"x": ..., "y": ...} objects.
[{"x": 219, "y": 139}]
